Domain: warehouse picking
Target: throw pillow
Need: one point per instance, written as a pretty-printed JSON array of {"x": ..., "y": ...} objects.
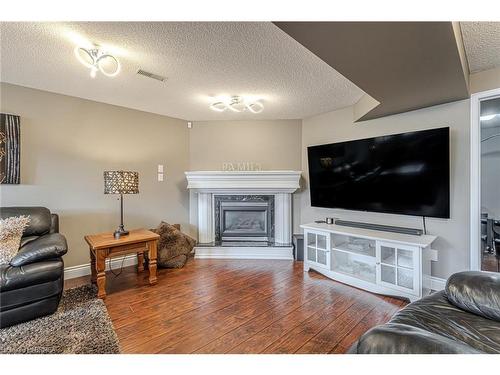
[
  {"x": 174, "y": 247},
  {"x": 11, "y": 231}
]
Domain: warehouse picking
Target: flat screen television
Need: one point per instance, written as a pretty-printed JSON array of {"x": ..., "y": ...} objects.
[{"x": 406, "y": 173}]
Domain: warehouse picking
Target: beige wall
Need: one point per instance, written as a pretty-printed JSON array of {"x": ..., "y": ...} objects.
[
  {"x": 67, "y": 143},
  {"x": 453, "y": 242},
  {"x": 275, "y": 144},
  {"x": 485, "y": 80}
]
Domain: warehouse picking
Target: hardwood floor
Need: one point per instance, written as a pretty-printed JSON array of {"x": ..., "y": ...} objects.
[{"x": 239, "y": 306}]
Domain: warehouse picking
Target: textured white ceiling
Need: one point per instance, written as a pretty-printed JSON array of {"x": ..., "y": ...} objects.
[
  {"x": 482, "y": 44},
  {"x": 201, "y": 60}
]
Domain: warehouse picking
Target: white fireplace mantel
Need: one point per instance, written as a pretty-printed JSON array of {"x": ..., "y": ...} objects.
[
  {"x": 257, "y": 181},
  {"x": 207, "y": 184}
]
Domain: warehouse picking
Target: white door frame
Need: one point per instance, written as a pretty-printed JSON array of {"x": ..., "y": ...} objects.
[{"x": 475, "y": 176}]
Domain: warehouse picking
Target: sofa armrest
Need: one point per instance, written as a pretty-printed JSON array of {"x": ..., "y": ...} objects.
[
  {"x": 54, "y": 223},
  {"x": 476, "y": 292},
  {"x": 45, "y": 247},
  {"x": 396, "y": 338}
]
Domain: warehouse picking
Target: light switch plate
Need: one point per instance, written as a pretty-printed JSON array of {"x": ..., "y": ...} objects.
[
  {"x": 160, "y": 168},
  {"x": 160, "y": 176}
]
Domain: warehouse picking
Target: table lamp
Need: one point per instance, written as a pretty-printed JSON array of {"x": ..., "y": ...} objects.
[{"x": 121, "y": 182}]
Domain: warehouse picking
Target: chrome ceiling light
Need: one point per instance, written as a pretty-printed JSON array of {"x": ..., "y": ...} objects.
[
  {"x": 237, "y": 104},
  {"x": 95, "y": 59}
]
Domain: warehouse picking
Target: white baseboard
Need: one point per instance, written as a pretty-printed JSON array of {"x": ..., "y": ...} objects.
[
  {"x": 84, "y": 269},
  {"x": 437, "y": 283},
  {"x": 285, "y": 253}
]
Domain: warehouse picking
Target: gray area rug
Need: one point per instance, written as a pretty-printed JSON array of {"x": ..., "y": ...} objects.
[{"x": 81, "y": 325}]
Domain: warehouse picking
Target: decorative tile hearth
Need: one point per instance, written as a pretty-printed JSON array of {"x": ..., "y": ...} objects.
[{"x": 243, "y": 214}]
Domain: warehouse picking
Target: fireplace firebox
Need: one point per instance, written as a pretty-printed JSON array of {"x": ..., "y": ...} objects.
[{"x": 244, "y": 218}]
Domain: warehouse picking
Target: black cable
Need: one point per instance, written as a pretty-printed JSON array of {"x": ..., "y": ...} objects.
[
  {"x": 121, "y": 267},
  {"x": 425, "y": 228}
]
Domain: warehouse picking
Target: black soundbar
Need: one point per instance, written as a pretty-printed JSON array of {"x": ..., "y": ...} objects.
[{"x": 384, "y": 228}]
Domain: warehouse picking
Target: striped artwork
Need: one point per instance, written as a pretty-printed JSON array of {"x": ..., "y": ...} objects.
[{"x": 10, "y": 149}]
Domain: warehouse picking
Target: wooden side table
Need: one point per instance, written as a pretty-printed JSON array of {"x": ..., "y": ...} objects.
[{"x": 104, "y": 245}]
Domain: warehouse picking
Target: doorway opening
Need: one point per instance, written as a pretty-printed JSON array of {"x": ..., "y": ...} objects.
[{"x": 485, "y": 181}]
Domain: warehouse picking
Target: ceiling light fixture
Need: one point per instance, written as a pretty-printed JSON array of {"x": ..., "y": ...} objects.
[
  {"x": 488, "y": 117},
  {"x": 95, "y": 59},
  {"x": 237, "y": 104}
]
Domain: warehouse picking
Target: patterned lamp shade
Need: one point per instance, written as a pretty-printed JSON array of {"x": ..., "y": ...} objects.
[{"x": 121, "y": 182}]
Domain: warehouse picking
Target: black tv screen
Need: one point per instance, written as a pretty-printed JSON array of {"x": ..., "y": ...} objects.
[{"x": 405, "y": 173}]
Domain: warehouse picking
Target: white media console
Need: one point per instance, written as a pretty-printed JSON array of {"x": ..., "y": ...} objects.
[{"x": 380, "y": 262}]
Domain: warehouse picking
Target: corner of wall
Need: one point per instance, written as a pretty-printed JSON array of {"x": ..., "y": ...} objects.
[
  {"x": 363, "y": 106},
  {"x": 457, "y": 31}
]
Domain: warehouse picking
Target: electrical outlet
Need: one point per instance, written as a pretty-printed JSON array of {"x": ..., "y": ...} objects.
[
  {"x": 160, "y": 177},
  {"x": 160, "y": 168}
]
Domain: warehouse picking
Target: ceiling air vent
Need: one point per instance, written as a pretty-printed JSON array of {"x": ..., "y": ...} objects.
[{"x": 151, "y": 75}]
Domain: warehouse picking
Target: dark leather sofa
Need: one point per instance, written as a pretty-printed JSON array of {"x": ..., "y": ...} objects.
[
  {"x": 464, "y": 318},
  {"x": 32, "y": 284}
]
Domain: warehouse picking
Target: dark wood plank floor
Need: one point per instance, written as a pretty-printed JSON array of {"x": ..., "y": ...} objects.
[{"x": 239, "y": 306}]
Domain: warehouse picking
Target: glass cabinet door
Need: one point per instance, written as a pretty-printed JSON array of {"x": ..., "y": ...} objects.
[
  {"x": 318, "y": 249},
  {"x": 321, "y": 241},
  {"x": 396, "y": 267},
  {"x": 311, "y": 239},
  {"x": 322, "y": 251},
  {"x": 311, "y": 247}
]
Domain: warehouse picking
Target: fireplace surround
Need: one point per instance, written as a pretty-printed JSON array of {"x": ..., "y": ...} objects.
[{"x": 242, "y": 214}]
